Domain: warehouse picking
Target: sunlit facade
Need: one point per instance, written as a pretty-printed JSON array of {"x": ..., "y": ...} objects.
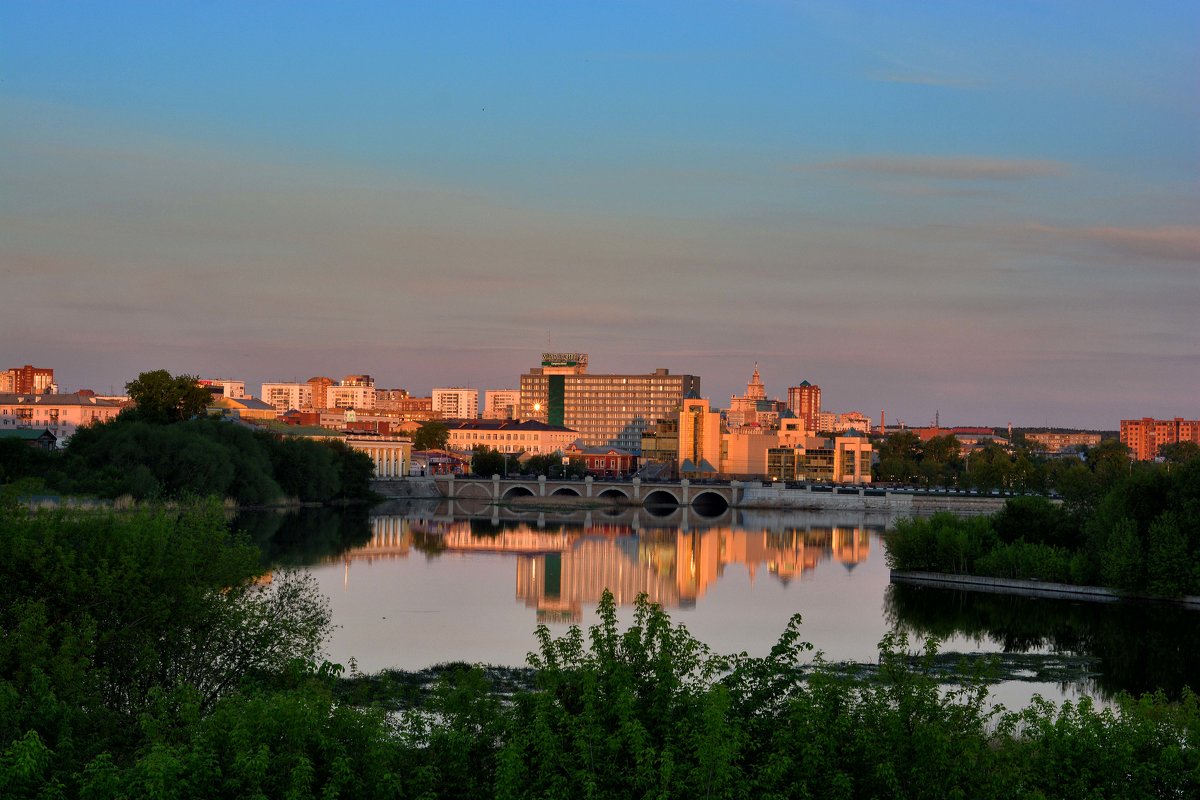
[{"x": 605, "y": 410}]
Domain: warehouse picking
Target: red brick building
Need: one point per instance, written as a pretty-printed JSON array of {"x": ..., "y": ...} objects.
[{"x": 603, "y": 462}]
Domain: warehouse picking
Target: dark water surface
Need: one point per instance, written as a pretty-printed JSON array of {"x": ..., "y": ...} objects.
[{"x": 417, "y": 584}]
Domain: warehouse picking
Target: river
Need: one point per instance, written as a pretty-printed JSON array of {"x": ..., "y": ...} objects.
[{"x": 412, "y": 585}]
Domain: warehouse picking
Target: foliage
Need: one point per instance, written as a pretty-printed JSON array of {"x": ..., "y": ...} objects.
[
  {"x": 162, "y": 397},
  {"x": 487, "y": 462},
  {"x": 433, "y": 435},
  {"x": 137, "y": 661},
  {"x": 106, "y": 616},
  {"x": 1141, "y": 534},
  {"x": 199, "y": 457}
]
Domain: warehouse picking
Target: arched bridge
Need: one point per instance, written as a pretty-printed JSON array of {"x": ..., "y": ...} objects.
[{"x": 715, "y": 497}]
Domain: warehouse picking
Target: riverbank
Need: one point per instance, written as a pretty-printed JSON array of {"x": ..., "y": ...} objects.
[{"x": 1027, "y": 588}]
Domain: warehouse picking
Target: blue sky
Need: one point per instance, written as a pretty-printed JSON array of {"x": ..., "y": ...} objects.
[{"x": 987, "y": 209}]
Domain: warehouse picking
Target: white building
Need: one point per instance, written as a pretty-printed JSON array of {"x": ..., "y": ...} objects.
[
  {"x": 351, "y": 396},
  {"x": 233, "y": 390},
  {"x": 287, "y": 396},
  {"x": 501, "y": 403},
  {"x": 456, "y": 403}
]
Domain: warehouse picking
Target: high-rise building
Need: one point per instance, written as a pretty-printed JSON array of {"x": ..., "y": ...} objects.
[
  {"x": 319, "y": 391},
  {"x": 606, "y": 410},
  {"x": 30, "y": 380},
  {"x": 699, "y": 437},
  {"x": 456, "y": 403},
  {"x": 288, "y": 396},
  {"x": 805, "y": 402},
  {"x": 501, "y": 403},
  {"x": 1145, "y": 436},
  {"x": 354, "y": 391}
]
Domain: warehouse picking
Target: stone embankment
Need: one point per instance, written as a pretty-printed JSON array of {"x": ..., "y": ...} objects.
[
  {"x": 1062, "y": 591},
  {"x": 904, "y": 504},
  {"x": 407, "y": 489}
]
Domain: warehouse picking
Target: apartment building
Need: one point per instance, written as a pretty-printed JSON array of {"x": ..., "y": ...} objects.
[
  {"x": 456, "y": 403},
  {"x": 1145, "y": 436}
]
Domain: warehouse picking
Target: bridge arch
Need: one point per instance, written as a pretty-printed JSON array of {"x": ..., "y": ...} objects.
[
  {"x": 661, "y": 497},
  {"x": 517, "y": 491},
  {"x": 472, "y": 490},
  {"x": 613, "y": 493},
  {"x": 710, "y": 504},
  {"x": 567, "y": 490}
]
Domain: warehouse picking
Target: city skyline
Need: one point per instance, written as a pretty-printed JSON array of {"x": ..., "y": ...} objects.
[{"x": 987, "y": 212}]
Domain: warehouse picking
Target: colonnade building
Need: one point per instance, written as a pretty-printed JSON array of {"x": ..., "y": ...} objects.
[{"x": 604, "y": 410}]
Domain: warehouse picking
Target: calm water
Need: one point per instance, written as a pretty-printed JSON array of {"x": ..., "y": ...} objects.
[{"x": 427, "y": 583}]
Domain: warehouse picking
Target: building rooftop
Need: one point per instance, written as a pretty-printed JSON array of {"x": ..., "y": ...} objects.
[
  {"x": 56, "y": 400},
  {"x": 527, "y": 426}
]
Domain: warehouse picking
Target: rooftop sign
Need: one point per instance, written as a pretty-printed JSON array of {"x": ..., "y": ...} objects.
[{"x": 564, "y": 359}]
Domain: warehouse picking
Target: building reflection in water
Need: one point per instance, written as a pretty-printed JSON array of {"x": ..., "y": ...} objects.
[{"x": 561, "y": 569}]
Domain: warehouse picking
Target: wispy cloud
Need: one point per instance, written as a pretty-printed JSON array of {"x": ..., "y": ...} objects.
[
  {"x": 1172, "y": 243},
  {"x": 949, "y": 168}
]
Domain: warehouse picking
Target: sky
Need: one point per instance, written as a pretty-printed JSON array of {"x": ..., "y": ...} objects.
[{"x": 985, "y": 211}]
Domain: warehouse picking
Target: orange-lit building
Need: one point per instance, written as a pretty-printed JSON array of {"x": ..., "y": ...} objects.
[
  {"x": 805, "y": 402},
  {"x": 1145, "y": 436},
  {"x": 29, "y": 380}
]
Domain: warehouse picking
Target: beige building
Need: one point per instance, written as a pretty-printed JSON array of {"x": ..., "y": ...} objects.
[
  {"x": 456, "y": 403},
  {"x": 1062, "y": 442},
  {"x": 700, "y": 442},
  {"x": 606, "y": 410},
  {"x": 509, "y": 436},
  {"x": 61, "y": 414},
  {"x": 501, "y": 403}
]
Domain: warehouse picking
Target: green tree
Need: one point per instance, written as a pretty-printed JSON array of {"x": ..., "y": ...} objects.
[
  {"x": 1179, "y": 452},
  {"x": 162, "y": 397},
  {"x": 431, "y": 436},
  {"x": 487, "y": 462}
]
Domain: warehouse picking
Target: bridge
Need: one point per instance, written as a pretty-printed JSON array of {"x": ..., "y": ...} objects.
[{"x": 710, "y": 497}]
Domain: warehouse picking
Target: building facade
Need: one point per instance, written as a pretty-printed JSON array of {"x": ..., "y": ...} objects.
[
  {"x": 29, "y": 380},
  {"x": 234, "y": 390},
  {"x": 1145, "y": 436},
  {"x": 1061, "y": 442},
  {"x": 509, "y": 436},
  {"x": 61, "y": 414},
  {"x": 456, "y": 403},
  {"x": 288, "y": 396},
  {"x": 501, "y": 403},
  {"x": 805, "y": 402},
  {"x": 606, "y": 410}
]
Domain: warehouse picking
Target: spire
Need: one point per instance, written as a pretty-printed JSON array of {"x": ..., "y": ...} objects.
[{"x": 755, "y": 389}]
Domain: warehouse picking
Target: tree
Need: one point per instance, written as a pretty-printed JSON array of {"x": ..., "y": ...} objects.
[
  {"x": 487, "y": 462},
  {"x": 431, "y": 436},
  {"x": 1179, "y": 452},
  {"x": 161, "y": 397}
]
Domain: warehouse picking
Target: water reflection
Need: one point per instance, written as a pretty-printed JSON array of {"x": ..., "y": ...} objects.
[
  {"x": 563, "y": 566},
  {"x": 415, "y": 584},
  {"x": 1137, "y": 647},
  {"x": 297, "y": 537}
]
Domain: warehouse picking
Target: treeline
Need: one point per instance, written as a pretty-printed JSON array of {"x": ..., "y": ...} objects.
[
  {"x": 147, "y": 459},
  {"x": 940, "y": 461},
  {"x": 138, "y": 658},
  {"x": 487, "y": 462},
  {"x": 1136, "y": 529}
]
